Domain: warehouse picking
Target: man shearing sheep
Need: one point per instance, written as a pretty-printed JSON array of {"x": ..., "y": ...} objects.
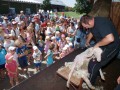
[{"x": 107, "y": 38}]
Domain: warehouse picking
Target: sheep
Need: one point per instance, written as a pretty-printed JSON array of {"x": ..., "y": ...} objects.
[{"x": 80, "y": 65}]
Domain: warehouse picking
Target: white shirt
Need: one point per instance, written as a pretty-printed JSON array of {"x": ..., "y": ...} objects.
[
  {"x": 36, "y": 56},
  {"x": 7, "y": 45},
  {"x": 16, "y": 33}
]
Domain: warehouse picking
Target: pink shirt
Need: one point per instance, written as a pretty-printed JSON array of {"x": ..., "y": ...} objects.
[
  {"x": 47, "y": 44},
  {"x": 12, "y": 66}
]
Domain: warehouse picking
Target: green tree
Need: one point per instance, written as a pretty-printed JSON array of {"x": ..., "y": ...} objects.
[
  {"x": 83, "y": 6},
  {"x": 46, "y": 5}
]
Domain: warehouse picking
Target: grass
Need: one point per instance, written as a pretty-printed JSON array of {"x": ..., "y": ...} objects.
[{"x": 71, "y": 14}]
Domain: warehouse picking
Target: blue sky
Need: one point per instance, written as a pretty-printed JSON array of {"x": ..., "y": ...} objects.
[{"x": 69, "y": 3}]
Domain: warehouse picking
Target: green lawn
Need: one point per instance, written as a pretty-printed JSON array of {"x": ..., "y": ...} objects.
[{"x": 71, "y": 14}]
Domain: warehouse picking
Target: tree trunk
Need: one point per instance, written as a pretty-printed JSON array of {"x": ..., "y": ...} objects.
[{"x": 101, "y": 8}]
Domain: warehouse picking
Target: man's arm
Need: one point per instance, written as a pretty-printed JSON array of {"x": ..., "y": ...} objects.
[
  {"x": 89, "y": 37},
  {"x": 105, "y": 41}
]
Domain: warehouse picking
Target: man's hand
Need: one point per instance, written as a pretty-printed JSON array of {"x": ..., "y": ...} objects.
[
  {"x": 118, "y": 80},
  {"x": 87, "y": 44}
]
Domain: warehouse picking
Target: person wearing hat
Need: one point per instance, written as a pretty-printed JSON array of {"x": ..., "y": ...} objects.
[
  {"x": 11, "y": 66},
  {"x": 2, "y": 61},
  {"x": 5, "y": 21},
  {"x": 55, "y": 45},
  {"x": 37, "y": 56},
  {"x": 15, "y": 31}
]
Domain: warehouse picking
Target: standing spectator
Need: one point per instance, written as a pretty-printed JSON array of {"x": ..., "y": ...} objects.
[
  {"x": 47, "y": 43},
  {"x": 37, "y": 55},
  {"x": 8, "y": 42},
  {"x": 22, "y": 57},
  {"x": 49, "y": 55},
  {"x": 11, "y": 66},
  {"x": 15, "y": 31},
  {"x": 5, "y": 22},
  {"x": 2, "y": 61},
  {"x": 41, "y": 44}
]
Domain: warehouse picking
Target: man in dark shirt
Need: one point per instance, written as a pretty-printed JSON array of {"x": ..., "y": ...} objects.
[{"x": 107, "y": 38}]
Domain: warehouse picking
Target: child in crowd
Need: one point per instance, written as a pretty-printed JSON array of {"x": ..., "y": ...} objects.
[
  {"x": 8, "y": 42},
  {"x": 2, "y": 61},
  {"x": 47, "y": 44},
  {"x": 71, "y": 49},
  {"x": 21, "y": 50},
  {"x": 29, "y": 35},
  {"x": 55, "y": 45},
  {"x": 41, "y": 44},
  {"x": 63, "y": 53},
  {"x": 37, "y": 55},
  {"x": 11, "y": 66},
  {"x": 62, "y": 42},
  {"x": 49, "y": 55}
]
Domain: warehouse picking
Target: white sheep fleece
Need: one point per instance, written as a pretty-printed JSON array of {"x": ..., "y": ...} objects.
[{"x": 79, "y": 67}]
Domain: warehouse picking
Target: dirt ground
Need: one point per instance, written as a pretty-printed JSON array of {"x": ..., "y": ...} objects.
[
  {"x": 4, "y": 83},
  {"x": 47, "y": 79}
]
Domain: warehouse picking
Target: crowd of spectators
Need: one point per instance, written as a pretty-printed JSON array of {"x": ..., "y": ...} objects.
[{"x": 31, "y": 39}]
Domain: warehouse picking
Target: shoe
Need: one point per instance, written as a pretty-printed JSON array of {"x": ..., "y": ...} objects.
[
  {"x": 17, "y": 83},
  {"x": 25, "y": 76}
]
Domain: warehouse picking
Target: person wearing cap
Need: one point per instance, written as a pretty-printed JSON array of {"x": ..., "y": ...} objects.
[
  {"x": 57, "y": 35},
  {"x": 49, "y": 56},
  {"x": 15, "y": 30},
  {"x": 37, "y": 56},
  {"x": 71, "y": 49},
  {"x": 11, "y": 66},
  {"x": 2, "y": 61},
  {"x": 12, "y": 49}
]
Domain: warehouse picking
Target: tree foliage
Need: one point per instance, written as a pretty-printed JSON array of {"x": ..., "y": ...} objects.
[
  {"x": 46, "y": 5},
  {"x": 83, "y": 6}
]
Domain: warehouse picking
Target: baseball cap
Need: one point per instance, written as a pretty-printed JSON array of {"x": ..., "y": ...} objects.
[
  {"x": 35, "y": 47},
  {"x": 11, "y": 48}
]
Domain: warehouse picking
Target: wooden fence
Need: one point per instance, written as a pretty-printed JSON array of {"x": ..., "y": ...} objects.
[{"x": 115, "y": 15}]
